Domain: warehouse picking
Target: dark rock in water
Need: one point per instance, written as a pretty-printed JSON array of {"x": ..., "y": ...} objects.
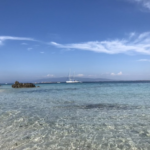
[
  {"x": 38, "y": 86},
  {"x": 108, "y": 106},
  {"x": 22, "y": 85}
]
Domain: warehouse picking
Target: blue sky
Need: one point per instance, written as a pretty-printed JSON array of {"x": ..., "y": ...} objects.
[{"x": 93, "y": 38}]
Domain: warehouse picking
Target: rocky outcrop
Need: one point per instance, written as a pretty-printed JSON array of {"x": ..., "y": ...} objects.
[{"x": 23, "y": 85}]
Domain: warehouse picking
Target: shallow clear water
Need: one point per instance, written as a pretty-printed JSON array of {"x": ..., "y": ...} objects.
[{"x": 83, "y": 116}]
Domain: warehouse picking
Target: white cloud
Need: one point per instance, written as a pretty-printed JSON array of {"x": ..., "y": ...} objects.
[
  {"x": 80, "y": 75},
  {"x": 112, "y": 74},
  {"x": 30, "y": 48},
  {"x": 132, "y": 34},
  {"x": 42, "y": 52},
  {"x": 144, "y": 60},
  {"x": 144, "y": 3},
  {"x": 24, "y": 44},
  {"x": 118, "y": 74},
  {"x": 135, "y": 43},
  {"x": 54, "y": 43},
  {"x": 50, "y": 75},
  {"x": 4, "y": 38}
]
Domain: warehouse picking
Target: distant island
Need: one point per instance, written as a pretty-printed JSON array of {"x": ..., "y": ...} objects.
[{"x": 64, "y": 79}]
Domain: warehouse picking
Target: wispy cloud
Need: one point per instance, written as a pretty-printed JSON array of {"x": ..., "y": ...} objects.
[
  {"x": 117, "y": 74},
  {"x": 80, "y": 75},
  {"x": 137, "y": 43},
  {"x": 144, "y": 60},
  {"x": 24, "y": 44},
  {"x": 132, "y": 34},
  {"x": 144, "y": 3},
  {"x": 134, "y": 43},
  {"x": 50, "y": 75},
  {"x": 112, "y": 74},
  {"x": 120, "y": 73},
  {"x": 42, "y": 52},
  {"x": 30, "y": 48},
  {"x": 4, "y": 38}
]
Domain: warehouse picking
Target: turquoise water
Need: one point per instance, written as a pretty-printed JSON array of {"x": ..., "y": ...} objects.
[{"x": 83, "y": 116}]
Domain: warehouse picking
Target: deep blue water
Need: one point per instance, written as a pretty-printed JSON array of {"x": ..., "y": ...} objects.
[{"x": 84, "y": 116}]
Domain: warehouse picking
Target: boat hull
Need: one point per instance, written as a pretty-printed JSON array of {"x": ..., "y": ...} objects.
[{"x": 72, "y": 82}]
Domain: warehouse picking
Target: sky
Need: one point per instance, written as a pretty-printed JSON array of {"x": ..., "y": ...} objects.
[{"x": 89, "y": 38}]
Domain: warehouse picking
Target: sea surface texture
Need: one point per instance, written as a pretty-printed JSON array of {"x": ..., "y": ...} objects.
[{"x": 82, "y": 116}]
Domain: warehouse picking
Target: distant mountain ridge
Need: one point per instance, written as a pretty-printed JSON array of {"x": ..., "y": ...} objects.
[{"x": 64, "y": 79}]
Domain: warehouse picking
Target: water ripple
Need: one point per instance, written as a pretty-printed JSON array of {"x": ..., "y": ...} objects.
[{"x": 85, "y": 117}]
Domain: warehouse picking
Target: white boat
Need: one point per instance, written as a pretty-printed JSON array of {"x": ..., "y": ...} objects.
[{"x": 72, "y": 80}]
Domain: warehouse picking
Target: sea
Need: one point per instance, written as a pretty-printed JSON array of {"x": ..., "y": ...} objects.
[{"x": 81, "y": 116}]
